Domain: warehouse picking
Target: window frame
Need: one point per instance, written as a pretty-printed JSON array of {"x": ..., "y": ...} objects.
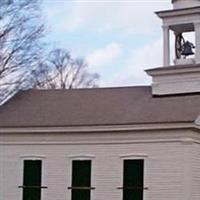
[
  {"x": 135, "y": 156},
  {"x": 43, "y": 177},
  {"x": 83, "y": 157}
]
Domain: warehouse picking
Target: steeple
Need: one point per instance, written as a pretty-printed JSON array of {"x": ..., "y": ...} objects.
[{"x": 181, "y": 74}]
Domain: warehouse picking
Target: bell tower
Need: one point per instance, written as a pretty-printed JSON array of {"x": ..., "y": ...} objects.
[
  {"x": 185, "y": 17},
  {"x": 181, "y": 74}
]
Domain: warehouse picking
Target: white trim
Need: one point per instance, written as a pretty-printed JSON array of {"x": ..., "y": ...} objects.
[
  {"x": 81, "y": 157},
  {"x": 131, "y": 141},
  {"x": 106, "y": 128},
  {"x": 166, "y": 45},
  {"x": 133, "y": 156},
  {"x": 22, "y": 158},
  {"x": 32, "y": 157},
  {"x": 136, "y": 156},
  {"x": 197, "y": 121},
  {"x": 185, "y": 11},
  {"x": 188, "y": 141}
]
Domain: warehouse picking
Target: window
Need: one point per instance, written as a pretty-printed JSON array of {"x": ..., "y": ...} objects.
[
  {"x": 81, "y": 180},
  {"x": 32, "y": 180},
  {"x": 32, "y": 172},
  {"x": 133, "y": 176}
]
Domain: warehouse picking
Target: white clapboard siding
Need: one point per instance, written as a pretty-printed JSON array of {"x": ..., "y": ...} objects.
[
  {"x": 164, "y": 165},
  {"x": 196, "y": 172}
]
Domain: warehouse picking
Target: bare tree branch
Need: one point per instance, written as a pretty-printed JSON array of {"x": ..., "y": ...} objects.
[
  {"x": 61, "y": 71},
  {"x": 21, "y": 31}
]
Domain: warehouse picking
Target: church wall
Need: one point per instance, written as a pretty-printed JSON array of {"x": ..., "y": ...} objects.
[
  {"x": 164, "y": 160},
  {"x": 196, "y": 172}
]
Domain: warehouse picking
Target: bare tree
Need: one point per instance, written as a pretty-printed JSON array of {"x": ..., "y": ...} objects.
[
  {"x": 20, "y": 43},
  {"x": 61, "y": 71}
]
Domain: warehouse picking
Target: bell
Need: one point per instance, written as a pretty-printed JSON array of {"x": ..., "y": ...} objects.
[{"x": 187, "y": 49}]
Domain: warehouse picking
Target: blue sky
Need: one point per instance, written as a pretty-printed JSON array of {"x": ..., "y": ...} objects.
[{"x": 118, "y": 38}]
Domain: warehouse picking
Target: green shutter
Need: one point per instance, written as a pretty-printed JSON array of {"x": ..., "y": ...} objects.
[
  {"x": 133, "y": 180},
  {"x": 32, "y": 180},
  {"x": 81, "y": 178}
]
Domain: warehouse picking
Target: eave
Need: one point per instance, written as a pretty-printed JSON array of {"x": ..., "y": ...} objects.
[{"x": 102, "y": 129}]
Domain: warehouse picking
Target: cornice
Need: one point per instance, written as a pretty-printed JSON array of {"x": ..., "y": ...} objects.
[
  {"x": 184, "y": 69},
  {"x": 101, "y": 129},
  {"x": 178, "y": 12}
]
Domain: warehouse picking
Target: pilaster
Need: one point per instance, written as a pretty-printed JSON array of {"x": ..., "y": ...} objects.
[
  {"x": 197, "y": 41},
  {"x": 166, "y": 46}
]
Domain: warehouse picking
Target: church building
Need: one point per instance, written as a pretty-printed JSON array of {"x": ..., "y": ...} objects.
[{"x": 126, "y": 143}]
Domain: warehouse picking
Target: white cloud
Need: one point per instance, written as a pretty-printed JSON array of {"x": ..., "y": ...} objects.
[
  {"x": 149, "y": 56},
  {"x": 104, "y": 56},
  {"x": 118, "y": 15},
  {"x": 123, "y": 18}
]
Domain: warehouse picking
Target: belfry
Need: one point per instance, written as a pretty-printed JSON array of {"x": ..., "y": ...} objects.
[{"x": 180, "y": 74}]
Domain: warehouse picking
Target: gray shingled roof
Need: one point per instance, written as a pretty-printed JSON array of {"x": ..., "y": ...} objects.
[{"x": 108, "y": 106}]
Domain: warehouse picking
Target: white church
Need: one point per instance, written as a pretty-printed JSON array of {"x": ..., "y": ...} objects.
[{"x": 128, "y": 143}]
